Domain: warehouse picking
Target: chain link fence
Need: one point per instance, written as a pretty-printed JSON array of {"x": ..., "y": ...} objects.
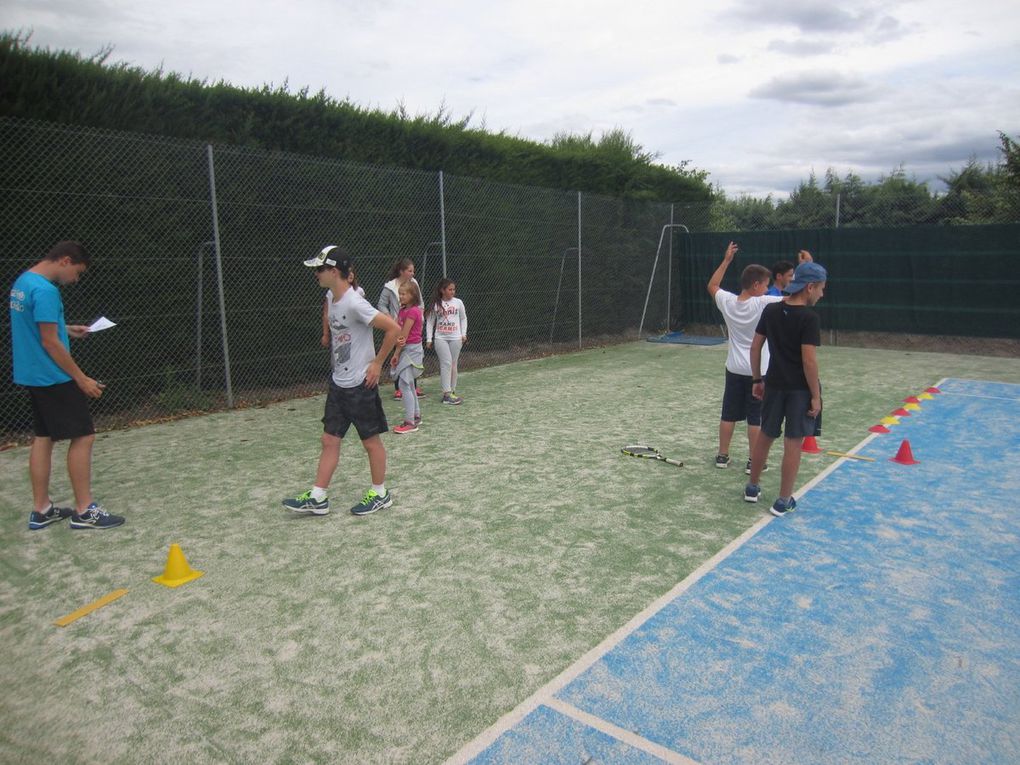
[{"x": 197, "y": 256}]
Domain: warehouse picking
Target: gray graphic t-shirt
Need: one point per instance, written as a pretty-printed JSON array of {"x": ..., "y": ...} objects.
[{"x": 353, "y": 344}]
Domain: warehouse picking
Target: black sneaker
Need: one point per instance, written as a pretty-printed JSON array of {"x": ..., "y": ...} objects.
[
  {"x": 747, "y": 468},
  {"x": 722, "y": 460},
  {"x": 751, "y": 492},
  {"x": 53, "y": 515},
  {"x": 95, "y": 517},
  {"x": 783, "y": 507}
]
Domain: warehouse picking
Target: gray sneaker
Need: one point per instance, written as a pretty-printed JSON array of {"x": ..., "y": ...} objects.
[
  {"x": 747, "y": 468},
  {"x": 305, "y": 505},
  {"x": 722, "y": 460},
  {"x": 372, "y": 502}
]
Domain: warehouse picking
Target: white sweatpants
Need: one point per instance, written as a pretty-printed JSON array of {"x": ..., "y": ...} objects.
[{"x": 448, "y": 351}]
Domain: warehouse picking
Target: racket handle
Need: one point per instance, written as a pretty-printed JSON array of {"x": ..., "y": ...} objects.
[{"x": 678, "y": 463}]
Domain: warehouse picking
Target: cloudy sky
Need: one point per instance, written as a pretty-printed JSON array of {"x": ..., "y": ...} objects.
[{"x": 759, "y": 93}]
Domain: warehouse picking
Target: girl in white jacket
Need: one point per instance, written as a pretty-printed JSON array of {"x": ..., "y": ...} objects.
[{"x": 446, "y": 328}]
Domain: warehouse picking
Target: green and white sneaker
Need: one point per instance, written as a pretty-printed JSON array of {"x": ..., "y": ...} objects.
[
  {"x": 371, "y": 502},
  {"x": 305, "y": 505}
]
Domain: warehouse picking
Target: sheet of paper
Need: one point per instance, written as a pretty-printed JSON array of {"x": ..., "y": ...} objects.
[{"x": 101, "y": 323}]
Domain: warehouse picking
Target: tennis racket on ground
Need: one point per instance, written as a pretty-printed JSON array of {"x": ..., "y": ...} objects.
[{"x": 648, "y": 453}]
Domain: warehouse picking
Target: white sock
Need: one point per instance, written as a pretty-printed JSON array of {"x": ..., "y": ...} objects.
[
  {"x": 319, "y": 493},
  {"x": 379, "y": 489}
]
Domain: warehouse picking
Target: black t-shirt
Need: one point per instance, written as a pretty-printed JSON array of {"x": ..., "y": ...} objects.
[{"x": 787, "y": 328}]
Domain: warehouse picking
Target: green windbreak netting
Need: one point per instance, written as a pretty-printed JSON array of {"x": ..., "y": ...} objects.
[{"x": 961, "y": 280}]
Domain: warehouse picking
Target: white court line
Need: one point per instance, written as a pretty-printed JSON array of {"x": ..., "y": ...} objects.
[
  {"x": 972, "y": 395},
  {"x": 545, "y": 694},
  {"x": 621, "y": 734}
]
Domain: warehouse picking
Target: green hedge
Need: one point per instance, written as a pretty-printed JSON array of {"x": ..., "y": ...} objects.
[{"x": 64, "y": 87}]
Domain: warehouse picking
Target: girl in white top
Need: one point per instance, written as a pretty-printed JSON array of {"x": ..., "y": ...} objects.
[{"x": 446, "y": 327}]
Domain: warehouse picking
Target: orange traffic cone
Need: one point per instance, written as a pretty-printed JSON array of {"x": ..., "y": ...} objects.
[
  {"x": 810, "y": 445},
  {"x": 904, "y": 456}
]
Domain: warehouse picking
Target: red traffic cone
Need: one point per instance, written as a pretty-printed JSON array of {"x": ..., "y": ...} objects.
[
  {"x": 879, "y": 429},
  {"x": 901, "y": 412},
  {"x": 810, "y": 445},
  {"x": 932, "y": 390},
  {"x": 911, "y": 400},
  {"x": 904, "y": 456}
]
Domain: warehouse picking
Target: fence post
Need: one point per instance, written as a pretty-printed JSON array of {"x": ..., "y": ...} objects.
[
  {"x": 219, "y": 274},
  {"x": 442, "y": 220},
  {"x": 198, "y": 316},
  {"x": 837, "y": 210},
  {"x": 669, "y": 271},
  {"x": 579, "y": 269}
]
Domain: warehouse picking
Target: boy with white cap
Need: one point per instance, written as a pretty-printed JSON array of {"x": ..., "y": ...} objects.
[{"x": 353, "y": 397}]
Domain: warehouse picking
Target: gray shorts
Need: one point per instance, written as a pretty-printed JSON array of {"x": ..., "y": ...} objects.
[{"x": 790, "y": 406}]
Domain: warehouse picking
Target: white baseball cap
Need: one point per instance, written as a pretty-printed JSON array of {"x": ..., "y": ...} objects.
[{"x": 330, "y": 255}]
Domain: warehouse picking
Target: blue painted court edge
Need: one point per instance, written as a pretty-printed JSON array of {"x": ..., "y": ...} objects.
[{"x": 880, "y": 622}]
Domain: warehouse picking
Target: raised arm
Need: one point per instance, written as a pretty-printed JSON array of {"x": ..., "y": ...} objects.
[{"x": 717, "y": 277}]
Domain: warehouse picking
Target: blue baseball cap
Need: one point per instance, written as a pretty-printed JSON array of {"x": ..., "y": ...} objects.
[{"x": 806, "y": 273}]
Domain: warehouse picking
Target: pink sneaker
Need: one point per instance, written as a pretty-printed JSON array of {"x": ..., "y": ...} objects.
[
  {"x": 406, "y": 427},
  {"x": 397, "y": 394}
]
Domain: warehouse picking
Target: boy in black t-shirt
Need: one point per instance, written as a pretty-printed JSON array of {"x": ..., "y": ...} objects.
[{"x": 792, "y": 392}]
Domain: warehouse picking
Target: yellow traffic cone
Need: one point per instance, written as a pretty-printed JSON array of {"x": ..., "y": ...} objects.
[{"x": 177, "y": 570}]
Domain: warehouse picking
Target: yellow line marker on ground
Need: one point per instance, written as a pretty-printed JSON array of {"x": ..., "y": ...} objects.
[
  {"x": 851, "y": 456},
  {"x": 63, "y": 621}
]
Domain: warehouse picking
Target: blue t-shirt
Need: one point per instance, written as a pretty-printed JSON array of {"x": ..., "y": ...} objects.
[
  {"x": 774, "y": 290},
  {"x": 35, "y": 299}
]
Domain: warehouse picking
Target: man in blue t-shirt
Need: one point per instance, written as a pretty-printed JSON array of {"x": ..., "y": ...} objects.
[{"x": 58, "y": 389}]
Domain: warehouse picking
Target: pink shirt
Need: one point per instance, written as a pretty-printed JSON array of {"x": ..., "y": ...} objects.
[{"x": 411, "y": 312}]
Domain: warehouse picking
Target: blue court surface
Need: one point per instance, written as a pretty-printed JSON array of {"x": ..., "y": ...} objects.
[{"x": 878, "y": 623}]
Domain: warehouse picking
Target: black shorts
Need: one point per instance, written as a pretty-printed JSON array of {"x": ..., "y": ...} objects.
[
  {"x": 791, "y": 406},
  {"x": 358, "y": 406},
  {"x": 60, "y": 411},
  {"x": 737, "y": 402}
]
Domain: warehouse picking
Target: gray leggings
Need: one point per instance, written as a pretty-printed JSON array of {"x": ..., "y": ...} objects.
[
  {"x": 408, "y": 395},
  {"x": 448, "y": 351}
]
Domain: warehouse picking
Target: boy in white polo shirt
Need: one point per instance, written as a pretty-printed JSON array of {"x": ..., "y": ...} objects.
[
  {"x": 353, "y": 397},
  {"x": 741, "y": 313}
]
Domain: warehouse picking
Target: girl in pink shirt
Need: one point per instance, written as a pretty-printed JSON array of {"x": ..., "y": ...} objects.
[{"x": 407, "y": 362}]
